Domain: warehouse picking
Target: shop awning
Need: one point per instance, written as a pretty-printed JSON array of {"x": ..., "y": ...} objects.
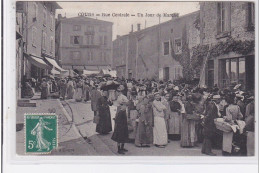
[
  {"x": 37, "y": 61},
  {"x": 112, "y": 73},
  {"x": 54, "y": 63},
  {"x": 67, "y": 67},
  {"x": 89, "y": 72},
  {"x": 55, "y": 72},
  {"x": 78, "y": 67}
]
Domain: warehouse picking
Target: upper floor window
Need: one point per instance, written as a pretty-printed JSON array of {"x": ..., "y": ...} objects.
[
  {"x": 75, "y": 55},
  {"x": 34, "y": 12},
  {"x": 223, "y": 16},
  {"x": 102, "y": 28},
  {"x": 90, "y": 39},
  {"x": 222, "y": 13},
  {"x": 177, "y": 72},
  {"x": 34, "y": 30},
  {"x": 44, "y": 5},
  {"x": 44, "y": 38},
  {"x": 103, "y": 56},
  {"x": 251, "y": 14},
  {"x": 103, "y": 40},
  {"x": 178, "y": 46},
  {"x": 90, "y": 55},
  {"x": 44, "y": 17},
  {"x": 76, "y": 28},
  {"x": 90, "y": 28},
  {"x": 166, "y": 48},
  {"x": 76, "y": 40}
]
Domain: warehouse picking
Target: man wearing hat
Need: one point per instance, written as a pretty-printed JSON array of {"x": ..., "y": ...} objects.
[
  {"x": 94, "y": 96},
  {"x": 63, "y": 89}
]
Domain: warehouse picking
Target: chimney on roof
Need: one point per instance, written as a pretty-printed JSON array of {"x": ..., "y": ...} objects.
[
  {"x": 175, "y": 15},
  {"x": 138, "y": 27},
  {"x": 117, "y": 36},
  {"x": 132, "y": 28}
]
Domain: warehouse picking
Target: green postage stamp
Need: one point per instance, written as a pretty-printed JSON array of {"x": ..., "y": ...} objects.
[{"x": 40, "y": 133}]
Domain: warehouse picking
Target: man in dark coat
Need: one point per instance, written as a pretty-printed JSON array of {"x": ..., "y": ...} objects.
[
  {"x": 94, "y": 96},
  {"x": 209, "y": 126},
  {"x": 104, "y": 125}
]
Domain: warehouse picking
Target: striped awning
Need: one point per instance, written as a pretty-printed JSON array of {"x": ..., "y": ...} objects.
[
  {"x": 54, "y": 64},
  {"x": 37, "y": 61}
]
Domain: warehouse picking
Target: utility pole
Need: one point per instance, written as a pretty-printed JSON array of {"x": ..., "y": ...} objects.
[
  {"x": 126, "y": 65},
  {"x": 136, "y": 56},
  {"x": 159, "y": 46}
]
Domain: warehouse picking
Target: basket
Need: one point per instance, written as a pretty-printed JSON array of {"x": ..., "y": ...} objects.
[
  {"x": 223, "y": 126},
  {"x": 194, "y": 117}
]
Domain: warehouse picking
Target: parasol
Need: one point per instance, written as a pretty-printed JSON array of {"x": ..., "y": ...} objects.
[{"x": 109, "y": 85}]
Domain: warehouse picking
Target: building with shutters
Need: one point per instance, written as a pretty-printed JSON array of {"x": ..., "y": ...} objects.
[
  {"x": 147, "y": 53},
  {"x": 83, "y": 43},
  {"x": 35, "y": 31},
  {"x": 229, "y": 23}
]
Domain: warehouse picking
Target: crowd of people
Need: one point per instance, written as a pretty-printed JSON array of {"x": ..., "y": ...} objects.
[{"x": 151, "y": 112}]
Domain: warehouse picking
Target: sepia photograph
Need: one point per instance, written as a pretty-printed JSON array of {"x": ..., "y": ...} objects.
[{"x": 135, "y": 78}]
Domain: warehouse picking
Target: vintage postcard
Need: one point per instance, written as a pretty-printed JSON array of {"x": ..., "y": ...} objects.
[{"x": 135, "y": 79}]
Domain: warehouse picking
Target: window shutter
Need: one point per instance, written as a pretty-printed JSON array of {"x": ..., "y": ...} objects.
[
  {"x": 105, "y": 40},
  {"x": 80, "y": 40},
  {"x": 100, "y": 40},
  {"x": 92, "y": 39},
  {"x": 71, "y": 40},
  {"x": 92, "y": 55},
  {"x": 71, "y": 54},
  {"x": 228, "y": 16},
  {"x": 218, "y": 17}
]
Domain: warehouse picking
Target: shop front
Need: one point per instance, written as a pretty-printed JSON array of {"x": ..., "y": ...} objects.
[
  {"x": 37, "y": 67},
  {"x": 228, "y": 71}
]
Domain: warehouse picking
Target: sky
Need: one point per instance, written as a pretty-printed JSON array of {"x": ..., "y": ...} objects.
[{"x": 122, "y": 25}]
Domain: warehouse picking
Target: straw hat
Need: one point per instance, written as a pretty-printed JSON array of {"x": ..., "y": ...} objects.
[{"x": 120, "y": 88}]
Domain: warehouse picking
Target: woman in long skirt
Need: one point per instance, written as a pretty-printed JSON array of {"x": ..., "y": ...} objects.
[
  {"x": 120, "y": 134},
  {"x": 70, "y": 89},
  {"x": 144, "y": 135},
  {"x": 63, "y": 89},
  {"x": 104, "y": 126},
  {"x": 160, "y": 137},
  {"x": 175, "y": 118},
  {"x": 133, "y": 114},
  {"x": 79, "y": 92},
  {"x": 188, "y": 133},
  {"x": 165, "y": 102},
  {"x": 86, "y": 91},
  {"x": 44, "y": 89}
]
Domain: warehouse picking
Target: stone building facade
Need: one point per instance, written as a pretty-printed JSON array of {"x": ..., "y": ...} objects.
[
  {"x": 83, "y": 43},
  {"x": 222, "y": 23},
  {"x": 147, "y": 53},
  {"x": 173, "y": 37},
  {"x": 120, "y": 55},
  {"x": 35, "y": 22}
]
